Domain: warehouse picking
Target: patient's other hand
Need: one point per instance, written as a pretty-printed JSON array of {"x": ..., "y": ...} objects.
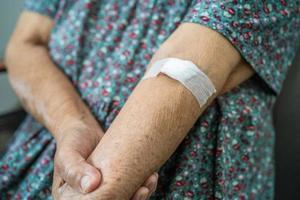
[
  {"x": 74, "y": 177},
  {"x": 73, "y": 148},
  {"x": 65, "y": 192}
]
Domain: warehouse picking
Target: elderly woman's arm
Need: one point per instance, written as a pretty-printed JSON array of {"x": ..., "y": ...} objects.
[
  {"x": 51, "y": 98},
  {"x": 159, "y": 114}
]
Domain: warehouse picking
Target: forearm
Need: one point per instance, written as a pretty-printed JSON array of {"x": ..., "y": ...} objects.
[
  {"x": 44, "y": 90},
  {"x": 158, "y": 115},
  {"x": 144, "y": 135}
]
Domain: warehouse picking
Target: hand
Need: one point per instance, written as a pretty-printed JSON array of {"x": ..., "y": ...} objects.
[
  {"x": 70, "y": 164},
  {"x": 71, "y": 168},
  {"x": 65, "y": 192}
]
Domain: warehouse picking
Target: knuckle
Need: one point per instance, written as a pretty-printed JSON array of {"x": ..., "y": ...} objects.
[
  {"x": 59, "y": 164},
  {"x": 69, "y": 172},
  {"x": 67, "y": 168},
  {"x": 63, "y": 163}
]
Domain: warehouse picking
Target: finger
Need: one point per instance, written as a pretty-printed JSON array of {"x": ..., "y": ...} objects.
[
  {"x": 57, "y": 182},
  {"x": 151, "y": 183},
  {"x": 77, "y": 172},
  {"x": 141, "y": 194},
  {"x": 243, "y": 72},
  {"x": 65, "y": 192}
]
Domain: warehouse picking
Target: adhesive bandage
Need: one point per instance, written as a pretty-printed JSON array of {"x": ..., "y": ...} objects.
[{"x": 187, "y": 73}]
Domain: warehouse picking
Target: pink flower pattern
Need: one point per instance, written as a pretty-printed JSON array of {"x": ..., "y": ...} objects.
[{"x": 103, "y": 47}]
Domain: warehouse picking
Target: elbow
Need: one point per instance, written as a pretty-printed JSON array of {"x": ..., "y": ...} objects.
[
  {"x": 16, "y": 52},
  {"x": 8, "y": 54},
  {"x": 11, "y": 53},
  {"x": 18, "y": 48}
]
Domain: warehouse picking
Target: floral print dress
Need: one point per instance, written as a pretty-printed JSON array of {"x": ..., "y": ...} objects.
[{"x": 103, "y": 47}]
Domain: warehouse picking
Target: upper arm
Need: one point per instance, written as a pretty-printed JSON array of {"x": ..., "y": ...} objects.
[
  {"x": 208, "y": 49},
  {"x": 32, "y": 28},
  {"x": 36, "y": 21},
  {"x": 266, "y": 34}
]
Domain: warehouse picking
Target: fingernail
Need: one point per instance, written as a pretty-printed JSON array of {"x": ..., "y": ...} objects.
[
  {"x": 152, "y": 186},
  {"x": 156, "y": 175},
  {"x": 143, "y": 197},
  {"x": 85, "y": 183}
]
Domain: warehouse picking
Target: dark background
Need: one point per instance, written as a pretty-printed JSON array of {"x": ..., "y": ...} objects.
[{"x": 287, "y": 124}]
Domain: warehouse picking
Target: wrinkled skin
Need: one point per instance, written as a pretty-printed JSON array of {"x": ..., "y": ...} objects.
[
  {"x": 55, "y": 103},
  {"x": 124, "y": 157}
]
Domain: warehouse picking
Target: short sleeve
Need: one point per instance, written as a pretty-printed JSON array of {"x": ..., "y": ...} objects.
[
  {"x": 43, "y": 7},
  {"x": 266, "y": 33}
]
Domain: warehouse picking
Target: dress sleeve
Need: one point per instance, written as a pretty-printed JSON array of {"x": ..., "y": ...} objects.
[
  {"x": 266, "y": 33},
  {"x": 43, "y": 7}
]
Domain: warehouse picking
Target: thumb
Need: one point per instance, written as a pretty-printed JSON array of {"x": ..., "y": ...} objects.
[{"x": 76, "y": 171}]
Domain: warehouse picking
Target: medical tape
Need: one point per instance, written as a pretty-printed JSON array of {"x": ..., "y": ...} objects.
[{"x": 187, "y": 73}]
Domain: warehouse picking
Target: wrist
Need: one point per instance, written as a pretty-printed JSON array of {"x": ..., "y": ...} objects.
[{"x": 72, "y": 121}]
